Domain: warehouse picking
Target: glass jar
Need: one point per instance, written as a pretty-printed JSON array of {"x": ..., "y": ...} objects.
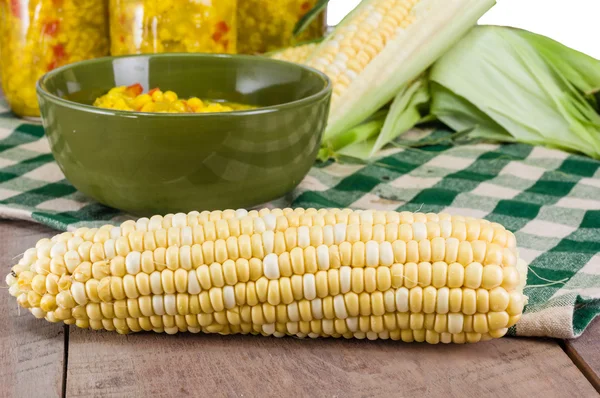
[
  {"x": 267, "y": 25},
  {"x": 40, "y": 35},
  {"x": 159, "y": 26}
]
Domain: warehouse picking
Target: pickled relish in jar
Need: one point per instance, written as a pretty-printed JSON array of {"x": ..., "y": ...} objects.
[
  {"x": 40, "y": 35},
  {"x": 267, "y": 25},
  {"x": 160, "y": 26},
  {"x": 132, "y": 98}
]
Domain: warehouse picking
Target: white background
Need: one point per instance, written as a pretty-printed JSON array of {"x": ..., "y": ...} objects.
[{"x": 572, "y": 22}]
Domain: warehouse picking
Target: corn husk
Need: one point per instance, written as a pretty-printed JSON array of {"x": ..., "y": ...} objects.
[
  {"x": 364, "y": 141},
  {"x": 512, "y": 85}
]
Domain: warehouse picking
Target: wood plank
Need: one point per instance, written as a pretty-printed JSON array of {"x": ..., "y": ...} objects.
[
  {"x": 31, "y": 350},
  {"x": 585, "y": 353},
  {"x": 103, "y": 363}
]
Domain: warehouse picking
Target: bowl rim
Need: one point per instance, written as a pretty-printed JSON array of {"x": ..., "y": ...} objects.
[{"x": 43, "y": 92}]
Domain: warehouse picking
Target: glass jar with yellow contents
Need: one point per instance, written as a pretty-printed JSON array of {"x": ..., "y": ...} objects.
[
  {"x": 159, "y": 26},
  {"x": 267, "y": 25},
  {"x": 40, "y": 35}
]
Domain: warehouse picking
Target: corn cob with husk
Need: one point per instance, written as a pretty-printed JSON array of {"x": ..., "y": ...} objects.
[
  {"x": 381, "y": 47},
  {"x": 326, "y": 273}
]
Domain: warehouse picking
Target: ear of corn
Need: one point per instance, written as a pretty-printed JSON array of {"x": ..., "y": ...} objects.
[
  {"x": 297, "y": 54},
  {"x": 330, "y": 273},
  {"x": 383, "y": 45}
]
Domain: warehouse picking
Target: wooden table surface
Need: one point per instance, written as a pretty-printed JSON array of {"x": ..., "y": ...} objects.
[{"x": 40, "y": 359}]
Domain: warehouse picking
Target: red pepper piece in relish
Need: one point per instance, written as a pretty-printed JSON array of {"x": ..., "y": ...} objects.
[
  {"x": 153, "y": 91},
  {"x": 59, "y": 54},
  {"x": 222, "y": 27},
  {"x": 15, "y": 8},
  {"x": 134, "y": 90},
  {"x": 220, "y": 30},
  {"x": 51, "y": 28},
  {"x": 59, "y": 51},
  {"x": 187, "y": 107}
]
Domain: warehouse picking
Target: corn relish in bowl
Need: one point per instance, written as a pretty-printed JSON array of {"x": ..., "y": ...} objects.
[
  {"x": 133, "y": 98},
  {"x": 148, "y": 151}
]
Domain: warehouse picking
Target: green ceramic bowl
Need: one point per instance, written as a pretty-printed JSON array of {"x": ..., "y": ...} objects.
[{"x": 157, "y": 163}]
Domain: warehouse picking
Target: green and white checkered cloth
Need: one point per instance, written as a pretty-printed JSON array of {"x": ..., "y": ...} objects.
[{"x": 550, "y": 199}]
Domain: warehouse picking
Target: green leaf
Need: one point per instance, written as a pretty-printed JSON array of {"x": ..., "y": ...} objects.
[
  {"x": 459, "y": 114},
  {"x": 406, "y": 111},
  {"x": 360, "y": 150},
  {"x": 508, "y": 86},
  {"x": 309, "y": 17},
  {"x": 578, "y": 68},
  {"x": 358, "y": 135}
]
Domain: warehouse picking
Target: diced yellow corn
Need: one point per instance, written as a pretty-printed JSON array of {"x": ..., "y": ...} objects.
[
  {"x": 308, "y": 273},
  {"x": 130, "y": 98}
]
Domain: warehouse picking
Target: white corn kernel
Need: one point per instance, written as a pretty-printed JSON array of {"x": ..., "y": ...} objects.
[
  {"x": 271, "y": 266},
  {"x": 133, "y": 262}
]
